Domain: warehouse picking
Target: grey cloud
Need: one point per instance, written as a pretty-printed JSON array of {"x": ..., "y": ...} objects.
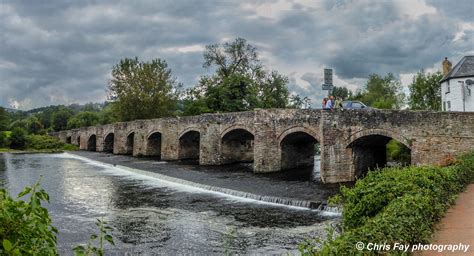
[{"x": 60, "y": 52}]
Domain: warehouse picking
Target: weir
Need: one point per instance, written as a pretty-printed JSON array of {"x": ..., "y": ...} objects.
[
  {"x": 350, "y": 141},
  {"x": 117, "y": 166}
]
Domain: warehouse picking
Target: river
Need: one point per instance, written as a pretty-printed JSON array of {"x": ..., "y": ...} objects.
[{"x": 154, "y": 216}]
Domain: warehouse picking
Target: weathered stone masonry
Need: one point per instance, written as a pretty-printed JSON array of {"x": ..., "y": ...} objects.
[{"x": 276, "y": 139}]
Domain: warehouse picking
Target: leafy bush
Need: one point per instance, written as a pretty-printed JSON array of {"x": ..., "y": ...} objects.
[
  {"x": 40, "y": 142},
  {"x": 43, "y": 142},
  {"x": 4, "y": 142},
  {"x": 397, "y": 205},
  {"x": 18, "y": 138},
  {"x": 26, "y": 228}
]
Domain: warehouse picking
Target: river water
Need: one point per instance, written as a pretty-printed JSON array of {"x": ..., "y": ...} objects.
[{"x": 152, "y": 216}]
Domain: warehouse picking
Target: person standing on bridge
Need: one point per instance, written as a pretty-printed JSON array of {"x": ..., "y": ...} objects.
[
  {"x": 338, "y": 103},
  {"x": 325, "y": 100},
  {"x": 330, "y": 102}
]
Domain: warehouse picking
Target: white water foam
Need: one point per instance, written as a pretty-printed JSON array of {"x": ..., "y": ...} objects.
[{"x": 159, "y": 180}]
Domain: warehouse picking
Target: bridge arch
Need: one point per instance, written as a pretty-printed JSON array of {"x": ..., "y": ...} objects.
[
  {"x": 298, "y": 147},
  {"x": 377, "y": 148},
  {"x": 92, "y": 143},
  {"x": 236, "y": 127},
  {"x": 188, "y": 129},
  {"x": 129, "y": 143},
  {"x": 381, "y": 132},
  {"x": 304, "y": 129},
  {"x": 78, "y": 140},
  {"x": 189, "y": 143},
  {"x": 153, "y": 143},
  {"x": 237, "y": 145},
  {"x": 109, "y": 142}
]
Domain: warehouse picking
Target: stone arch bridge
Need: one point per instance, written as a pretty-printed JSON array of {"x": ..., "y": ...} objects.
[{"x": 351, "y": 141}]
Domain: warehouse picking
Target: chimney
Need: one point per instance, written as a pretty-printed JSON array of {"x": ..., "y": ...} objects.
[{"x": 446, "y": 66}]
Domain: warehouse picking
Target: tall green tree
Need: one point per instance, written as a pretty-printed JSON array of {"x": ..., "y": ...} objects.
[
  {"x": 83, "y": 119},
  {"x": 4, "y": 119},
  {"x": 60, "y": 118},
  {"x": 33, "y": 125},
  {"x": 142, "y": 90},
  {"x": 384, "y": 92},
  {"x": 341, "y": 92},
  {"x": 425, "y": 91},
  {"x": 239, "y": 82}
]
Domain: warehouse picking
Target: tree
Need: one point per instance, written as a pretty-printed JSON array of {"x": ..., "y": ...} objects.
[
  {"x": 4, "y": 142},
  {"x": 341, "y": 92},
  {"x": 382, "y": 92},
  {"x": 239, "y": 82},
  {"x": 4, "y": 119},
  {"x": 33, "y": 125},
  {"x": 143, "y": 90},
  {"x": 18, "y": 138},
  {"x": 83, "y": 119},
  {"x": 297, "y": 101},
  {"x": 107, "y": 114},
  {"x": 60, "y": 118},
  {"x": 425, "y": 91}
]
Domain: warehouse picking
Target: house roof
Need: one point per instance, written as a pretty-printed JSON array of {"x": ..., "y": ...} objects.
[{"x": 464, "y": 68}]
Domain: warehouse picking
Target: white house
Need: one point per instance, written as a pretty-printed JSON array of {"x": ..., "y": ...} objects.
[{"x": 457, "y": 86}]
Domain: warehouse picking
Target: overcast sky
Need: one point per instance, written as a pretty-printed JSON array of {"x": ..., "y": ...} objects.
[{"x": 61, "y": 51}]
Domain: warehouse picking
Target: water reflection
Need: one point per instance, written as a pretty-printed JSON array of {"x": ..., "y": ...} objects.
[{"x": 151, "y": 217}]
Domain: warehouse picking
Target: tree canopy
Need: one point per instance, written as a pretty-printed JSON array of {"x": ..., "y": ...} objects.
[
  {"x": 239, "y": 82},
  {"x": 142, "y": 90},
  {"x": 4, "y": 119},
  {"x": 425, "y": 91},
  {"x": 341, "y": 92},
  {"x": 83, "y": 119},
  {"x": 384, "y": 92}
]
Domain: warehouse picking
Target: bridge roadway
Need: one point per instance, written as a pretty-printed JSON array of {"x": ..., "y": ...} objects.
[{"x": 350, "y": 141}]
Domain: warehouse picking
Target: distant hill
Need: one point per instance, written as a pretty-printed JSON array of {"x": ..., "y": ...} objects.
[
  {"x": 12, "y": 110},
  {"x": 74, "y": 107}
]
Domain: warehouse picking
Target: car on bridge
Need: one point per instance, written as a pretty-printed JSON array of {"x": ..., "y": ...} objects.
[{"x": 354, "y": 104}]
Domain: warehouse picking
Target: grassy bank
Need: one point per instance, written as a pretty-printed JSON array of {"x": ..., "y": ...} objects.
[{"x": 395, "y": 206}]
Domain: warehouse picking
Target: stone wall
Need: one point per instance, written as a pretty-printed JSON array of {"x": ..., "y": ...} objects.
[{"x": 277, "y": 139}]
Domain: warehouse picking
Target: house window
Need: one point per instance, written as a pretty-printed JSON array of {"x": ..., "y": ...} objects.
[
  {"x": 444, "y": 105},
  {"x": 449, "y": 105},
  {"x": 448, "y": 88}
]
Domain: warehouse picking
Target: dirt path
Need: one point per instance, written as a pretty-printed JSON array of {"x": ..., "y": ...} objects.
[{"x": 458, "y": 225}]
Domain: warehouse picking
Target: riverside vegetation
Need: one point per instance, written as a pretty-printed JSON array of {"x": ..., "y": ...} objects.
[
  {"x": 19, "y": 140},
  {"x": 394, "y": 205},
  {"x": 26, "y": 227}
]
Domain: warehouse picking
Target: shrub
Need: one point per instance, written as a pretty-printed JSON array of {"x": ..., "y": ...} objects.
[
  {"x": 4, "y": 142},
  {"x": 397, "y": 205},
  {"x": 25, "y": 227},
  {"x": 18, "y": 138},
  {"x": 40, "y": 142},
  {"x": 43, "y": 142}
]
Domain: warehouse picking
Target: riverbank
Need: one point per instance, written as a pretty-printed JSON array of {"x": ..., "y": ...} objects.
[
  {"x": 30, "y": 151},
  {"x": 396, "y": 209},
  {"x": 290, "y": 188}
]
